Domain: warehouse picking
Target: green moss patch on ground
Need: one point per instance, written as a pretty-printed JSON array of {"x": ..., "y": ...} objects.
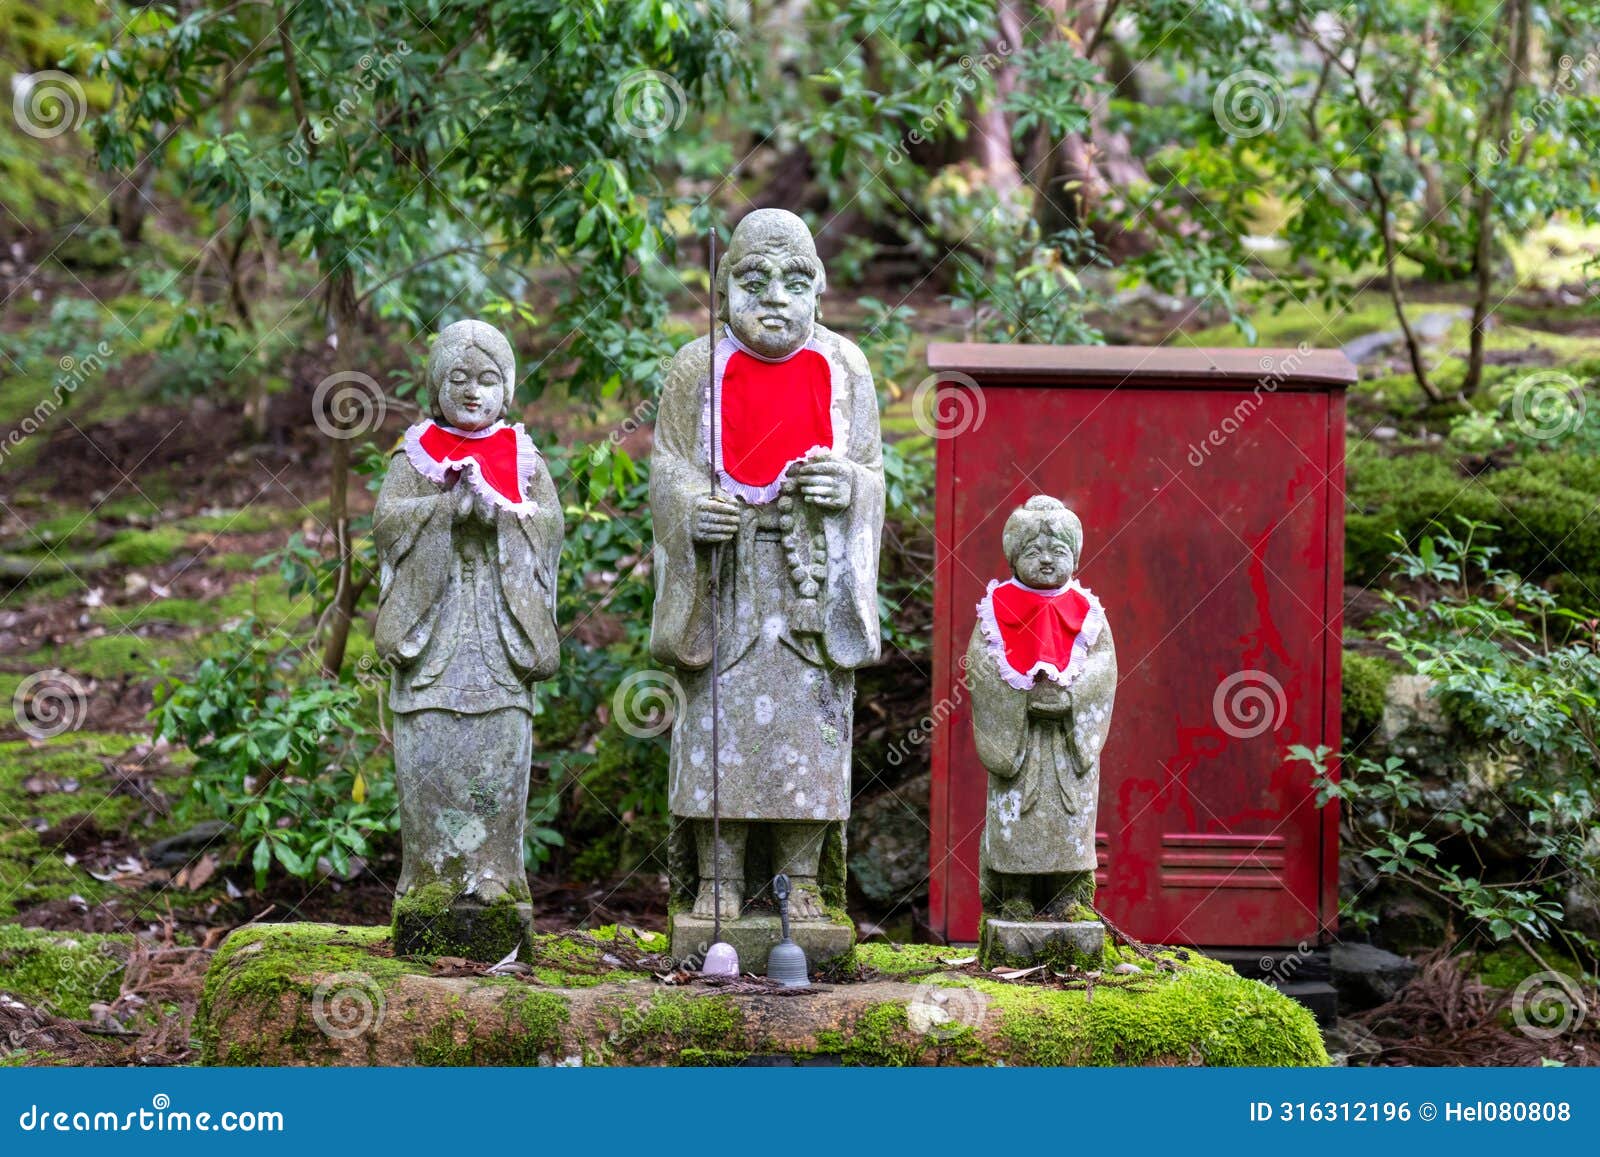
[{"x": 61, "y": 972}]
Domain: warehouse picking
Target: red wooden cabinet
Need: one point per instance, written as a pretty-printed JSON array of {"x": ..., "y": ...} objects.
[{"x": 1211, "y": 486}]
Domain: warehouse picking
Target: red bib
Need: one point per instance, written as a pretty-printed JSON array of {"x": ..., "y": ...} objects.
[
  {"x": 770, "y": 415},
  {"x": 503, "y": 456},
  {"x": 1033, "y": 632}
]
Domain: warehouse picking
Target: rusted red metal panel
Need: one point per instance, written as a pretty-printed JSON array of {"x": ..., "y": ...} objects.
[{"x": 1210, "y": 484}]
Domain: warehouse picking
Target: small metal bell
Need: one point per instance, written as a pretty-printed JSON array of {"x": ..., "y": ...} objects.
[{"x": 787, "y": 962}]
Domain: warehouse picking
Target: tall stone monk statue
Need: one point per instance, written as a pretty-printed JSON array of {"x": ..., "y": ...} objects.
[
  {"x": 468, "y": 531},
  {"x": 1043, "y": 674},
  {"x": 790, "y": 427}
]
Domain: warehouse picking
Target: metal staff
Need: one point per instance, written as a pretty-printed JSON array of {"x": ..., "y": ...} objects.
[{"x": 725, "y": 962}]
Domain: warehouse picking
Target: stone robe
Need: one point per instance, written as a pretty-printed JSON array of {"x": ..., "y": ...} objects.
[
  {"x": 787, "y": 664},
  {"x": 1044, "y": 773},
  {"x": 466, "y": 621}
]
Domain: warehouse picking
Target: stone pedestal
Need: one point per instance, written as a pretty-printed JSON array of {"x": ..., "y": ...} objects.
[
  {"x": 427, "y": 922},
  {"x": 753, "y": 937},
  {"x": 1023, "y": 943}
]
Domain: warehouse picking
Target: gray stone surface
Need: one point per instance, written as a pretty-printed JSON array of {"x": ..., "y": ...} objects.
[
  {"x": 798, "y": 603},
  {"x": 1078, "y": 942},
  {"x": 1367, "y": 976},
  {"x": 466, "y": 626},
  {"x": 753, "y": 936},
  {"x": 1041, "y": 743}
]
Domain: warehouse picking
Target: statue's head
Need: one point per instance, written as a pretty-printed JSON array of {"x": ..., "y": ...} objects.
[
  {"x": 471, "y": 375},
  {"x": 1042, "y": 541},
  {"x": 769, "y": 281}
]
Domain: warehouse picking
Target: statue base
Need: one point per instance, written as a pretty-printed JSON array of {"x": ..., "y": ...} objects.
[
  {"x": 1023, "y": 943},
  {"x": 484, "y": 932},
  {"x": 753, "y": 938}
]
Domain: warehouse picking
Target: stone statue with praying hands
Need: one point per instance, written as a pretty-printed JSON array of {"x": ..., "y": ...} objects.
[
  {"x": 788, "y": 426},
  {"x": 468, "y": 531},
  {"x": 1043, "y": 674}
]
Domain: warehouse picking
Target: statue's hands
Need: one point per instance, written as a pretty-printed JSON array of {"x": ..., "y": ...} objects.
[
  {"x": 463, "y": 497},
  {"x": 715, "y": 520},
  {"x": 1049, "y": 700},
  {"x": 824, "y": 481}
]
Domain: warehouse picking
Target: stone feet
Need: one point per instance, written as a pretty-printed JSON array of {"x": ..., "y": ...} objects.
[{"x": 705, "y": 901}]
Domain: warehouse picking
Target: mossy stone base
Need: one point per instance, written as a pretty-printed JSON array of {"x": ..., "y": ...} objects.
[
  {"x": 1024, "y": 943},
  {"x": 432, "y": 921},
  {"x": 319, "y": 994},
  {"x": 753, "y": 938}
]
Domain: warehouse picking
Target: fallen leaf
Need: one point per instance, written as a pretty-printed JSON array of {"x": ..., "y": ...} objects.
[
  {"x": 959, "y": 961},
  {"x": 1017, "y": 973}
]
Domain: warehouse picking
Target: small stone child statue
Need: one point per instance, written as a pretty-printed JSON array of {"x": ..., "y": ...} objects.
[
  {"x": 1043, "y": 673},
  {"x": 468, "y": 531}
]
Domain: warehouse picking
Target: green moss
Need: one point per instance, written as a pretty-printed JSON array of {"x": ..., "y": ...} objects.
[
  {"x": 881, "y": 1035},
  {"x": 59, "y": 972},
  {"x": 429, "y": 922},
  {"x": 675, "y": 1022},
  {"x": 1366, "y": 680},
  {"x": 147, "y": 547},
  {"x": 1541, "y": 505}
]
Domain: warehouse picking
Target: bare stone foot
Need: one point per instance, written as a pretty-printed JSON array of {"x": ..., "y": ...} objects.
[
  {"x": 805, "y": 899},
  {"x": 705, "y": 904}
]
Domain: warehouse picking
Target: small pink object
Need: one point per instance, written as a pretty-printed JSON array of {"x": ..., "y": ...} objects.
[{"x": 721, "y": 960}]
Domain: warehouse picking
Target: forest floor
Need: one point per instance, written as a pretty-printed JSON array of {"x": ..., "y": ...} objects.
[{"x": 129, "y": 539}]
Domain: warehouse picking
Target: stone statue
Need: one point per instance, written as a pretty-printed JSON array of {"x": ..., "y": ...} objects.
[
  {"x": 468, "y": 531},
  {"x": 797, "y": 513},
  {"x": 1043, "y": 673}
]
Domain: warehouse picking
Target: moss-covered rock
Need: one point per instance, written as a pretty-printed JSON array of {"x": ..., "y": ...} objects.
[
  {"x": 61, "y": 972},
  {"x": 321, "y": 994}
]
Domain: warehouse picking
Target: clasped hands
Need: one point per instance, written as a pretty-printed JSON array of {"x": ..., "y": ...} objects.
[
  {"x": 1049, "y": 700},
  {"x": 469, "y": 503},
  {"x": 823, "y": 481}
]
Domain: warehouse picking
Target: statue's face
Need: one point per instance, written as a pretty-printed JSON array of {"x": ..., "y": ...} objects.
[
  {"x": 772, "y": 300},
  {"x": 1046, "y": 562},
  {"x": 472, "y": 394}
]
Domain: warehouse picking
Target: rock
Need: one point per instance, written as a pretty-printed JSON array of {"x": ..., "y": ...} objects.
[
  {"x": 175, "y": 851},
  {"x": 1367, "y": 976},
  {"x": 1020, "y": 943},
  {"x": 754, "y": 935},
  {"x": 319, "y": 994}
]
